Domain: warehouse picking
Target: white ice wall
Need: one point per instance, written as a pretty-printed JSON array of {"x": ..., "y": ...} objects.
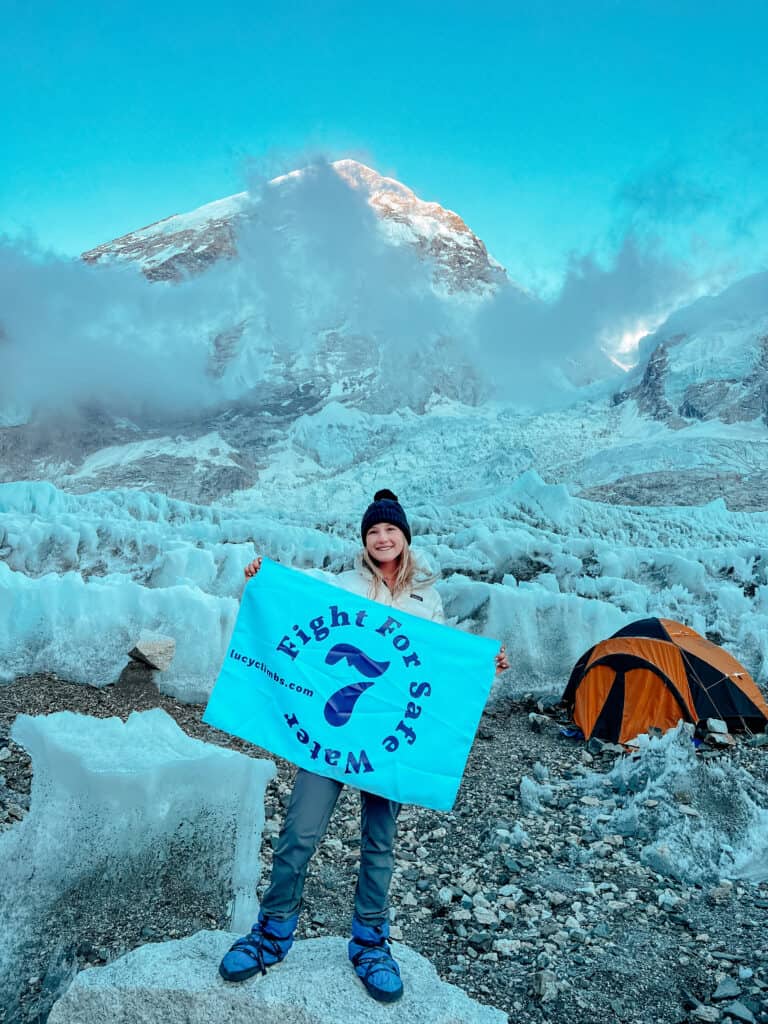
[
  {"x": 82, "y": 576},
  {"x": 120, "y": 806}
]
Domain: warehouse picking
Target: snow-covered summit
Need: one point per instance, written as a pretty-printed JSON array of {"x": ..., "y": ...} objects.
[
  {"x": 187, "y": 243},
  {"x": 462, "y": 258}
]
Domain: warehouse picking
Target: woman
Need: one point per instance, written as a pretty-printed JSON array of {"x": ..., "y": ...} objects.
[{"x": 385, "y": 571}]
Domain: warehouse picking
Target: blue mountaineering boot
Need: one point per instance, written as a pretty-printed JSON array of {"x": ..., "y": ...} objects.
[
  {"x": 373, "y": 962},
  {"x": 265, "y": 945}
]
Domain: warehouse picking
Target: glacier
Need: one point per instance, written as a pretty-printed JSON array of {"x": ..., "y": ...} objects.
[
  {"x": 522, "y": 561},
  {"x": 124, "y": 813}
]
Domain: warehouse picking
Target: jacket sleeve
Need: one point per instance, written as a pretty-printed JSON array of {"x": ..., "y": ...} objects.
[{"x": 438, "y": 613}]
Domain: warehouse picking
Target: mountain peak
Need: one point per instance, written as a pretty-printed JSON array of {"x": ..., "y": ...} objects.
[{"x": 188, "y": 243}]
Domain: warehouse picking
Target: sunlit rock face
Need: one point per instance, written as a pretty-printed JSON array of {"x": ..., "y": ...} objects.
[{"x": 462, "y": 262}]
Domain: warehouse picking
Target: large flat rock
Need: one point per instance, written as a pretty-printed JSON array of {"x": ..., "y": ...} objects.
[{"x": 178, "y": 983}]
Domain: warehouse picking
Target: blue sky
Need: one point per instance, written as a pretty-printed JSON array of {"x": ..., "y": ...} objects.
[{"x": 552, "y": 128}]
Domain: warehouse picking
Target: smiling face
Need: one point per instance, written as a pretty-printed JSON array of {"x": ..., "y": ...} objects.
[{"x": 384, "y": 542}]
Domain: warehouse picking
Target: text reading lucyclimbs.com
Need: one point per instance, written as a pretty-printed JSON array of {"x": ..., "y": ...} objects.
[
  {"x": 253, "y": 663},
  {"x": 395, "y": 699}
]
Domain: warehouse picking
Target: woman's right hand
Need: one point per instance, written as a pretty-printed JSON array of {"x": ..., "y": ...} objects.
[{"x": 252, "y": 568}]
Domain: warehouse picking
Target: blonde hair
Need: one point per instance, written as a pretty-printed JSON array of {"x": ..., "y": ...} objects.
[{"x": 410, "y": 574}]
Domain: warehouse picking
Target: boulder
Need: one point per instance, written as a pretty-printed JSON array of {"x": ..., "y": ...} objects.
[
  {"x": 156, "y": 652},
  {"x": 178, "y": 983},
  {"x": 721, "y": 739},
  {"x": 727, "y": 989}
]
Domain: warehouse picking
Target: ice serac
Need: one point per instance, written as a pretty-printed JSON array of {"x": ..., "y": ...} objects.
[
  {"x": 124, "y": 813},
  {"x": 177, "y": 982},
  {"x": 701, "y": 821},
  {"x": 520, "y": 560}
]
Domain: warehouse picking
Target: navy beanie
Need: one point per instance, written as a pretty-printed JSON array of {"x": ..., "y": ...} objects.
[{"x": 385, "y": 508}]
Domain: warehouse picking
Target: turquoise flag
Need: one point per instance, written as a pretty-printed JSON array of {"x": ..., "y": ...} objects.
[{"x": 352, "y": 689}]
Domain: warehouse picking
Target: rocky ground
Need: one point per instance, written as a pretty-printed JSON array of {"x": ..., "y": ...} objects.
[{"x": 514, "y": 896}]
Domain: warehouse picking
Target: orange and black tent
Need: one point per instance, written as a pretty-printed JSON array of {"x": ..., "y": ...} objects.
[{"x": 656, "y": 673}]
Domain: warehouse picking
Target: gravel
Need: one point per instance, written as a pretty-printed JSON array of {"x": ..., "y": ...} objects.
[{"x": 510, "y": 895}]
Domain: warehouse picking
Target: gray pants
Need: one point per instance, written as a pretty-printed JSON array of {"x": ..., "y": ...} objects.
[{"x": 306, "y": 820}]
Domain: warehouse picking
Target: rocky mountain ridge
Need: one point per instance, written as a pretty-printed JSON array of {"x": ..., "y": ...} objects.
[
  {"x": 705, "y": 370},
  {"x": 189, "y": 243},
  {"x": 709, "y": 361}
]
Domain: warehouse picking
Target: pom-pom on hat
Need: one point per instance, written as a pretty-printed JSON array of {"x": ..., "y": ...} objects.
[{"x": 385, "y": 508}]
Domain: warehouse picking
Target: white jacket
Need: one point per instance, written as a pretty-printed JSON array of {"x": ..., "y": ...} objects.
[{"x": 423, "y": 601}]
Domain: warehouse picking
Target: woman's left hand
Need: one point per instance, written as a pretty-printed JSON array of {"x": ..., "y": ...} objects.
[{"x": 501, "y": 660}]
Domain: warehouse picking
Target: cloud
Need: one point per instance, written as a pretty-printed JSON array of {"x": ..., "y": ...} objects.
[
  {"x": 77, "y": 334},
  {"x": 317, "y": 295},
  {"x": 666, "y": 194},
  {"x": 715, "y": 224},
  {"x": 312, "y": 264},
  {"x": 321, "y": 262},
  {"x": 541, "y": 352}
]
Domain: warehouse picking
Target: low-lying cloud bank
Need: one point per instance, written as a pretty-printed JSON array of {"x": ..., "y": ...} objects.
[{"x": 312, "y": 263}]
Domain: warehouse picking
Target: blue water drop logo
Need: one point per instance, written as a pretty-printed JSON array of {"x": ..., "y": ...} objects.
[{"x": 340, "y": 705}]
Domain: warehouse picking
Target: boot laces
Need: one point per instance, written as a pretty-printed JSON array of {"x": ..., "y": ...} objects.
[
  {"x": 366, "y": 959},
  {"x": 256, "y": 942}
]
